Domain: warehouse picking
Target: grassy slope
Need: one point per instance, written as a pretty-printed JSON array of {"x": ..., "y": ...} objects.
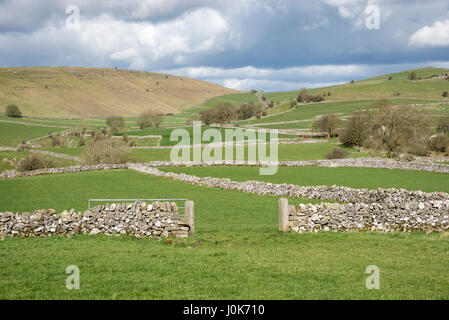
[
  {"x": 317, "y": 176},
  {"x": 87, "y": 92},
  {"x": 310, "y": 111},
  {"x": 379, "y": 87},
  {"x": 231, "y": 256}
]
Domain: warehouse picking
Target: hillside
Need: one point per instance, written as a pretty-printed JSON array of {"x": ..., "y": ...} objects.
[
  {"x": 69, "y": 92},
  {"x": 380, "y": 87}
]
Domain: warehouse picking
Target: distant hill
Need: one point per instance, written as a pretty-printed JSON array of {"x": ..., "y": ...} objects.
[
  {"x": 71, "y": 92},
  {"x": 381, "y": 87}
]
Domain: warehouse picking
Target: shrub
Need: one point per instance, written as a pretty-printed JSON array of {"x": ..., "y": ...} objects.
[
  {"x": 356, "y": 130},
  {"x": 419, "y": 147},
  {"x": 443, "y": 125},
  {"x": 248, "y": 110},
  {"x": 157, "y": 119},
  {"x": 115, "y": 123},
  {"x": 33, "y": 162},
  {"x": 337, "y": 154},
  {"x": 144, "y": 120},
  {"x": 105, "y": 151},
  {"x": 13, "y": 111},
  {"x": 81, "y": 141},
  {"x": 445, "y": 94},
  {"x": 293, "y": 104},
  {"x": 305, "y": 97},
  {"x": 327, "y": 123},
  {"x": 56, "y": 140},
  {"x": 390, "y": 78},
  {"x": 412, "y": 76},
  {"x": 439, "y": 143}
]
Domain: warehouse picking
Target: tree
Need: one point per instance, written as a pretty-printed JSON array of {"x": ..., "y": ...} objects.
[
  {"x": 412, "y": 76},
  {"x": 13, "y": 111},
  {"x": 157, "y": 119},
  {"x": 395, "y": 127},
  {"x": 144, "y": 120},
  {"x": 105, "y": 150},
  {"x": 305, "y": 97},
  {"x": 248, "y": 110},
  {"x": 225, "y": 112},
  {"x": 356, "y": 130},
  {"x": 327, "y": 123},
  {"x": 115, "y": 123}
]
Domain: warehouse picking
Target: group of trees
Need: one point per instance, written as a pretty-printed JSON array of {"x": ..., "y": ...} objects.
[
  {"x": 149, "y": 119},
  {"x": 394, "y": 129},
  {"x": 305, "y": 97},
  {"x": 226, "y": 112}
]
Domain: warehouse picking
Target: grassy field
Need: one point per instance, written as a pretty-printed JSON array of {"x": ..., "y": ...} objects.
[
  {"x": 52, "y": 161},
  {"x": 236, "y": 253},
  {"x": 370, "y": 178},
  {"x": 13, "y": 134},
  {"x": 287, "y": 152}
]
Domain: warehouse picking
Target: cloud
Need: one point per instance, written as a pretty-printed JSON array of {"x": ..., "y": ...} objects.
[
  {"x": 137, "y": 44},
  {"x": 436, "y": 35},
  {"x": 270, "y": 43},
  {"x": 293, "y": 78},
  {"x": 271, "y": 85}
]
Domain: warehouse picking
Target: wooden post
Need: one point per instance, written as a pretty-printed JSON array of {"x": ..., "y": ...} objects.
[
  {"x": 283, "y": 215},
  {"x": 190, "y": 216}
]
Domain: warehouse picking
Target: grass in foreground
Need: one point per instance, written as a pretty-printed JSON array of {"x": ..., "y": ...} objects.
[{"x": 236, "y": 253}]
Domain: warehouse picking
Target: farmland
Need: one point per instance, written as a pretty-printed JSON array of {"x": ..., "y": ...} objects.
[{"x": 237, "y": 251}]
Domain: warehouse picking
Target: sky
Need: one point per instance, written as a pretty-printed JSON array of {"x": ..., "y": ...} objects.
[{"x": 270, "y": 45}]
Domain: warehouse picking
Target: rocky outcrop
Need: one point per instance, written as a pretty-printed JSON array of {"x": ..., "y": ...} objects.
[{"x": 158, "y": 219}]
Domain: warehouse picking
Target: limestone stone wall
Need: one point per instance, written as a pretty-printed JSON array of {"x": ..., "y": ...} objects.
[
  {"x": 157, "y": 219},
  {"x": 332, "y": 193},
  {"x": 361, "y": 163},
  {"x": 432, "y": 216},
  {"x": 9, "y": 174}
]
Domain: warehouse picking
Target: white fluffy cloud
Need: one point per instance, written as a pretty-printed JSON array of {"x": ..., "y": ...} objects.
[
  {"x": 142, "y": 43},
  {"x": 138, "y": 44},
  {"x": 435, "y": 35}
]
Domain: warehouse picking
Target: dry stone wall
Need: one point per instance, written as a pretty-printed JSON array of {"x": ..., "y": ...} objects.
[
  {"x": 331, "y": 193},
  {"x": 157, "y": 219},
  {"x": 9, "y": 174},
  {"x": 362, "y": 163},
  {"x": 430, "y": 216}
]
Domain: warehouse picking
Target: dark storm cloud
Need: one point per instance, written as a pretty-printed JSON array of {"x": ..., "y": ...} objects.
[{"x": 181, "y": 35}]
